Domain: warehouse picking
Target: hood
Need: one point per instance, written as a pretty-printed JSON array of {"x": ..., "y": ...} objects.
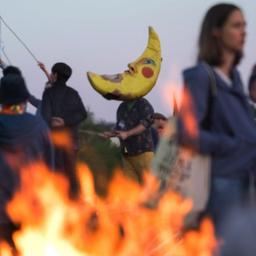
[{"x": 17, "y": 128}]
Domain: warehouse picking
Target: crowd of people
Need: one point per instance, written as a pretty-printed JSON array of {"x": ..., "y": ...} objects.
[
  {"x": 226, "y": 129},
  {"x": 26, "y": 138}
]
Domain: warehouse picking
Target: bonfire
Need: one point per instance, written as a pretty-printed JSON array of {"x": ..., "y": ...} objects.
[{"x": 124, "y": 223}]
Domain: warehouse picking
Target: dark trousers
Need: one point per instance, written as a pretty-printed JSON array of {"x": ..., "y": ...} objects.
[{"x": 65, "y": 163}]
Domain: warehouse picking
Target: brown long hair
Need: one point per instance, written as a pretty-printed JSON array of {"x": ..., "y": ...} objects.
[{"x": 209, "y": 46}]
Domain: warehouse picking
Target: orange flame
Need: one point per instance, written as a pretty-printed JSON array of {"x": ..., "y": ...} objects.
[
  {"x": 61, "y": 139},
  {"x": 188, "y": 115},
  {"x": 125, "y": 223},
  {"x": 5, "y": 249},
  {"x": 172, "y": 94}
]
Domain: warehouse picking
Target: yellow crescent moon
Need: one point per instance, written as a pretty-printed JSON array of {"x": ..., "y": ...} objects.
[{"x": 135, "y": 82}]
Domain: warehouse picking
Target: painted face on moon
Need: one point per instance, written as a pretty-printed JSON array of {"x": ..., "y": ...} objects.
[
  {"x": 146, "y": 66},
  {"x": 135, "y": 82}
]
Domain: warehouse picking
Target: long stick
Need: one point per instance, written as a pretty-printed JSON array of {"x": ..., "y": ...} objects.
[
  {"x": 26, "y": 47},
  {"x": 0, "y": 38},
  {"x": 91, "y": 133}
]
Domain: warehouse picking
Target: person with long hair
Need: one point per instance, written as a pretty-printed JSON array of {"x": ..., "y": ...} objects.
[{"x": 226, "y": 129}]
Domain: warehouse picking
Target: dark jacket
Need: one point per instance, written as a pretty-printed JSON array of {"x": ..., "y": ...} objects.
[
  {"x": 63, "y": 101},
  {"x": 23, "y": 140},
  {"x": 129, "y": 115},
  {"x": 231, "y": 134}
]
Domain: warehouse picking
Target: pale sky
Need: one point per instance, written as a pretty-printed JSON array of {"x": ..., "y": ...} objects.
[{"x": 104, "y": 36}]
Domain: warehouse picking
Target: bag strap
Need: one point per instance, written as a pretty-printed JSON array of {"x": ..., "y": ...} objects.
[
  {"x": 213, "y": 83},
  {"x": 212, "y": 95}
]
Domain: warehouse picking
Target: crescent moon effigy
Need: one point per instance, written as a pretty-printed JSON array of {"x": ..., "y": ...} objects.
[{"x": 135, "y": 82}]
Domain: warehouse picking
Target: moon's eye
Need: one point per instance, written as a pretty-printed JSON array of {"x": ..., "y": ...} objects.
[{"x": 149, "y": 62}]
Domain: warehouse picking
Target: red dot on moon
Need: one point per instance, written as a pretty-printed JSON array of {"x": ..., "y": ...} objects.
[{"x": 147, "y": 72}]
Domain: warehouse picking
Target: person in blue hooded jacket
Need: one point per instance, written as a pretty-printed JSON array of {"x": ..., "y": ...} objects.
[
  {"x": 24, "y": 139},
  {"x": 226, "y": 129}
]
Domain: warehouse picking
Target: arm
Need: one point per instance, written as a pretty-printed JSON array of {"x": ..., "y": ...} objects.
[
  {"x": 34, "y": 101},
  {"x": 194, "y": 108},
  {"x": 108, "y": 134},
  {"x": 43, "y": 68},
  {"x": 134, "y": 131},
  {"x": 78, "y": 112}
]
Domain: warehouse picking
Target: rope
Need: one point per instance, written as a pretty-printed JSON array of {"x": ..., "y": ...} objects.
[
  {"x": 26, "y": 47},
  {"x": 5, "y": 55}
]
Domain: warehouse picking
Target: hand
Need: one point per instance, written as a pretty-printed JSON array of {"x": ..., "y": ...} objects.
[
  {"x": 57, "y": 122},
  {"x": 170, "y": 129},
  {"x": 41, "y": 65},
  {"x": 123, "y": 135},
  {"x": 108, "y": 134},
  {"x": 2, "y": 64}
]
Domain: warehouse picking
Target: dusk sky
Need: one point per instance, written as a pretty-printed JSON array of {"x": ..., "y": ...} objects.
[{"x": 104, "y": 36}]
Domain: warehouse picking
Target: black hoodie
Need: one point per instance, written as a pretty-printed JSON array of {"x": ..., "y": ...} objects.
[{"x": 63, "y": 101}]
